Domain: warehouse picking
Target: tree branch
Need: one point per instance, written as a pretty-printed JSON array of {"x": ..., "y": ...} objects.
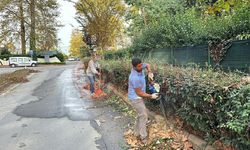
[{"x": 19, "y": 17}]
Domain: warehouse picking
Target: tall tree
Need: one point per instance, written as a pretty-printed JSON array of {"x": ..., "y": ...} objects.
[
  {"x": 36, "y": 17},
  {"x": 47, "y": 24},
  {"x": 13, "y": 22},
  {"x": 22, "y": 27},
  {"x": 32, "y": 25},
  {"x": 102, "y": 19},
  {"x": 76, "y": 43}
]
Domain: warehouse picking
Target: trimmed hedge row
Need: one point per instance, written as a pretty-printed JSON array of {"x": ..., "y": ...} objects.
[
  {"x": 8, "y": 56},
  {"x": 59, "y": 55},
  {"x": 216, "y": 103},
  {"x": 213, "y": 102},
  {"x": 116, "y": 54}
]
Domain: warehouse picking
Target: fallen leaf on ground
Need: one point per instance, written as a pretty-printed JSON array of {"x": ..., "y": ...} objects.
[{"x": 158, "y": 137}]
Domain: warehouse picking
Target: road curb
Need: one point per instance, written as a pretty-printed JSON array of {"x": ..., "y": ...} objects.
[
  {"x": 29, "y": 76},
  {"x": 10, "y": 89},
  {"x": 198, "y": 143}
]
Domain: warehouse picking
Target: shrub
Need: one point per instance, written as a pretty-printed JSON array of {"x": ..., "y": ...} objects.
[
  {"x": 60, "y": 56},
  {"x": 8, "y": 56},
  {"x": 116, "y": 54},
  {"x": 116, "y": 72},
  {"x": 4, "y": 51},
  {"x": 191, "y": 28},
  {"x": 57, "y": 54},
  {"x": 214, "y": 102},
  {"x": 203, "y": 99}
]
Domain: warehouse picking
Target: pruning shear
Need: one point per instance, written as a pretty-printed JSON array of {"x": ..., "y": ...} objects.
[{"x": 156, "y": 88}]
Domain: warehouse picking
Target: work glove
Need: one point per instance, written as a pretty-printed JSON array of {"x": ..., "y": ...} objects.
[
  {"x": 98, "y": 73},
  {"x": 155, "y": 96},
  {"x": 151, "y": 76}
]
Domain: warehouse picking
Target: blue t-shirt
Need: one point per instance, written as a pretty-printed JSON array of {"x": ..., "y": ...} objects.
[{"x": 136, "y": 80}]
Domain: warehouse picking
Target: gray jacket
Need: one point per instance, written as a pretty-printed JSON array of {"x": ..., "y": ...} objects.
[{"x": 91, "y": 70}]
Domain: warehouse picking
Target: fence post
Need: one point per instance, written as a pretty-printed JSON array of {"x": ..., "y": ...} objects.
[
  {"x": 208, "y": 57},
  {"x": 172, "y": 56}
]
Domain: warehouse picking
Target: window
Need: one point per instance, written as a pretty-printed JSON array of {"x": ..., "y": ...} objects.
[
  {"x": 26, "y": 60},
  {"x": 14, "y": 59},
  {"x": 20, "y": 60}
]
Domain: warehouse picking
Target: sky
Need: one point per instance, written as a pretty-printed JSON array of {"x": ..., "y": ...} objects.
[{"x": 67, "y": 11}]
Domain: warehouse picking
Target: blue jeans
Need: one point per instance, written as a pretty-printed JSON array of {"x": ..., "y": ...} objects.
[{"x": 92, "y": 83}]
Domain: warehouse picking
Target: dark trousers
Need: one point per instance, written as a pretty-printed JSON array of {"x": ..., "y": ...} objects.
[{"x": 92, "y": 84}]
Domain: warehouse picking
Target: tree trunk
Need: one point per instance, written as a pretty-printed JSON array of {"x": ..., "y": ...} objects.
[
  {"x": 33, "y": 26},
  {"x": 23, "y": 42}
]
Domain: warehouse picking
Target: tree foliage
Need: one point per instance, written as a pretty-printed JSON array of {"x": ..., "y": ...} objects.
[
  {"x": 31, "y": 22},
  {"x": 187, "y": 25},
  {"x": 102, "y": 19},
  {"x": 47, "y": 24},
  {"x": 76, "y": 44},
  {"x": 11, "y": 18},
  {"x": 143, "y": 13}
]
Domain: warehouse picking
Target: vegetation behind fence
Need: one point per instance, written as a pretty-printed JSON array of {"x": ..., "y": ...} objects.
[{"x": 236, "y": 57}]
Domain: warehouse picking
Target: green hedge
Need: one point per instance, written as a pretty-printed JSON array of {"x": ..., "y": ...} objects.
[
  {"x": 4, "y": 51},
  {"x": 213, "y": 102},
  {"x": 8, "y": 56},
  {"x": 60, "y": 56},
  {"x": 216, "y": 103},
  {"x": 116, "y": 54},
  {"x": 191, "y": 28}
]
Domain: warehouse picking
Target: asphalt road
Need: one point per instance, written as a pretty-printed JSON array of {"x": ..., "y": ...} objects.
[{"x": 48, "y": 113}]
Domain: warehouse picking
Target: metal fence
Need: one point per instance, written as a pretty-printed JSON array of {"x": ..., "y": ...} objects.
[{"x": 237, "y": 57}]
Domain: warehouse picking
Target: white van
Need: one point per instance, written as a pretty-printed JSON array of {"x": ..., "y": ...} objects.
[{"x": 22, "y": 61}]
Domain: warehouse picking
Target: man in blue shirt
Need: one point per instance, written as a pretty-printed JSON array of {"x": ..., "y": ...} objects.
[{"x": 136, "y": 94}]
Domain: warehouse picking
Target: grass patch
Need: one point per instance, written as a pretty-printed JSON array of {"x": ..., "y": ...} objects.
[
  {"x": 19, "y": 76},
  {"x": 54, "y": 63}
]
